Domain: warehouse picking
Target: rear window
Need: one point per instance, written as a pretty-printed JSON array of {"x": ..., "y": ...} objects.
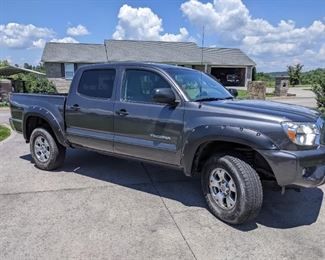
[{"x": 97, "y": 83}]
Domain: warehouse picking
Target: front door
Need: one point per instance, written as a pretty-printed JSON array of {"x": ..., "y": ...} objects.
[
  {"x": 145, "y": 129},
  {"x": 89, "y": 110}
]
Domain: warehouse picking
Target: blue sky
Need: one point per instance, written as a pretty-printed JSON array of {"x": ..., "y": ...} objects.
[{"x": 275, "y": 33}]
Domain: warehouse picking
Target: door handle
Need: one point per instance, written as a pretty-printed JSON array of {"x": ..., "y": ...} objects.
[
  {"x": 75, "y": 107},
  {"x": 122, "y": 112}
]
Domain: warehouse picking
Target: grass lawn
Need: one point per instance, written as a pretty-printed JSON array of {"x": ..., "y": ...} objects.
[
  {"x": 4, "y": 104},
  {"x": 243, "y": 94},
  {"x": 4, "y": 132}
]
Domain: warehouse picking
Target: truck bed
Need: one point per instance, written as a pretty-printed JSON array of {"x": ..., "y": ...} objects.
[{"x": 22, "y": 104}]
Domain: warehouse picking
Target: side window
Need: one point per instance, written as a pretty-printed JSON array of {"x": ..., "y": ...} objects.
[
  {"x": 97, "y": 83},
  {"x": 139, "y": 85}
]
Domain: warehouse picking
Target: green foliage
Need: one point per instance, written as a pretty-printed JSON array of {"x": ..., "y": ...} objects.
[
  {"x": 312, "y": 76},
  {"x": 294, "y": 73},
  {"x": 267, "y": 78},
  {"x": 242, "y": 94},
  {"x": 35, "y": 83},
  {"x": 40, "y": 67},
  {"x": 4, "y": 103},
  {"x": 319, "y": 90},
  {"x": 261, "y": 76},
  {"x": 4, "y": 63}
]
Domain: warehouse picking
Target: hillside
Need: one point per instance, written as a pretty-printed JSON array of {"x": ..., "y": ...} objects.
[{"x": 307, "y": 77}]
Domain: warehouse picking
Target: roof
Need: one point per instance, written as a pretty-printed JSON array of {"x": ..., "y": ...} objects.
[
  {"x": 12, "y": 70},
  {"x": 173, "y": 52},
  {"x": 152, "y": 51},
  {"x": 144, "y": 51},
  {"x": 226, "y": 56},
  {"x": 133, "y": 64},
  {"x": 74, "y": 52}
]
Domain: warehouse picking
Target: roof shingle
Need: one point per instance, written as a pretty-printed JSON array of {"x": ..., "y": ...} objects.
[
  {"x": 74, "y": 52},
  {"x": 145, "y": 51}
]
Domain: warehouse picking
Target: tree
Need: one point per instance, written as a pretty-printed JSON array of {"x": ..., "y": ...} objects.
[
  {"x": 4, "y": 63},
  {"x": 312, "y": 77},
  {"x": 319, "y": 90},
  {"x": 28, "y": 66},
  {"x": 294, "y": 73}
]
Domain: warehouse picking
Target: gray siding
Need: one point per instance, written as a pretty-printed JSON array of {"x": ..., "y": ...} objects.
[{"x": 53, "y": 70}]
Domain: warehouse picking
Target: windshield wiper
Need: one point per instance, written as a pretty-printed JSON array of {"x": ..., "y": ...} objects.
[{"x": 212, "y": 99}]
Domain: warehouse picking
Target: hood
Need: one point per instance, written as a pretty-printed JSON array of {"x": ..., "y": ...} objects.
[{"x": 264, "y": 110}]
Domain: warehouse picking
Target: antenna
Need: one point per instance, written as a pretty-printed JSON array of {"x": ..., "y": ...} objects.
[{"x": 202, "y": 45}]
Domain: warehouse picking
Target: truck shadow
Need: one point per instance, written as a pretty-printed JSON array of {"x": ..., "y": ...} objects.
[{"x": 293, "y": 209}]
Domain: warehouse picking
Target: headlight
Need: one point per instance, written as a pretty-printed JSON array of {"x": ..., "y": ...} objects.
[{"x": 306, "y": 134}]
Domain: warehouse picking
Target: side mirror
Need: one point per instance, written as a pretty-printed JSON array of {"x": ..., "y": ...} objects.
[
  {"x": 233, "y": 92},
  {"x": 164, "y": 95}
]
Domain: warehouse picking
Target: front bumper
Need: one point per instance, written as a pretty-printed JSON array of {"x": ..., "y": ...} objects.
[{"x": 302, "y": 168}]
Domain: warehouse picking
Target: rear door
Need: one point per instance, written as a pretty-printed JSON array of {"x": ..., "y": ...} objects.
[
  {"x": 145, "y": 129},
  {"x": 89, "y": 109}
]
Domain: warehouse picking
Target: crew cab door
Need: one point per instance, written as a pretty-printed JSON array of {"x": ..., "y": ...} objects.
[
  {"x": 145, "y": 129},
  {"x": 89, "y": 111}
]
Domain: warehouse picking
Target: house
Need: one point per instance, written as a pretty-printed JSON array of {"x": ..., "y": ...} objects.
[{"x": 230, "y": 66}]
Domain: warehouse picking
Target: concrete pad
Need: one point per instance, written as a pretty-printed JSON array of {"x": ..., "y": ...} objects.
[
  {"x": 289, "y": 227},
  {"x": 102, "y": 207},
  {"x": 106, "y": 223},
  {"x": 81, "y": 169}
]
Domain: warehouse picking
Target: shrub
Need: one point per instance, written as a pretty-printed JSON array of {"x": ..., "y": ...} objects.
[
  {"x": 319, "y": 90},
  {"x": 36, "y": 84}
]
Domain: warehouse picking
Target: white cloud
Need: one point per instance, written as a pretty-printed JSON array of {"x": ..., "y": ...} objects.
[
  {"x": 271, "y": 46},
  {"x": 40, "y": 43},
  {"x": 65, "y": 40},
  {"x": 79, "y": 30},
  {"x": 20, "y": 36},
  {"x": 143, "y": 24},
  {"x": 321, "y": 54}
]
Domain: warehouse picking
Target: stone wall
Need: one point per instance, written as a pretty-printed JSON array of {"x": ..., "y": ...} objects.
[{"x": 256, "y": 90}]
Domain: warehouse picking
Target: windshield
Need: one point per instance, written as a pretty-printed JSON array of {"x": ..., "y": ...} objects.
[{"x": 198, "y": 86}]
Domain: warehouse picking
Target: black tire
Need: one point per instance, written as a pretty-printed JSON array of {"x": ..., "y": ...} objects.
[
  {"x": 248, "y": 189},
  {"x": 56, "y": 150}
]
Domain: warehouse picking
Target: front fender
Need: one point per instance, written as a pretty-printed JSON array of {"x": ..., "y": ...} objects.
[
  {"x": 56, "y": 126},
  {"x": 203, "y": 134}
]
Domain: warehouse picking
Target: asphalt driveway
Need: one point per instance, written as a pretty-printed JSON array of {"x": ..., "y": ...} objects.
[{"x": 102, "y": 207}]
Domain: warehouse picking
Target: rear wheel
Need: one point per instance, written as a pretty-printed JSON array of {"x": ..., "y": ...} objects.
[
  {"x": 47, "y": 152},
  {"x": 232, "y": 189}
]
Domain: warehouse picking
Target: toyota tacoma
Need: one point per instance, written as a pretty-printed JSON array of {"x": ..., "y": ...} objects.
[{"x": 180, "y": 118}]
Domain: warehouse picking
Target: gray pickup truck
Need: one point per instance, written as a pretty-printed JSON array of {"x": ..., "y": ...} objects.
[{"x": 180, "y": 118}]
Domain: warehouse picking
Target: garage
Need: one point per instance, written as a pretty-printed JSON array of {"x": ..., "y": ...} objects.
[{"x": 229, "y": 76}]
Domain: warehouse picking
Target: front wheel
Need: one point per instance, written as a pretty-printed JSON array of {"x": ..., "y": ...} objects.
[
  {"x": 47, "y": 153},
  {"x": 232, "y": 189}
]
